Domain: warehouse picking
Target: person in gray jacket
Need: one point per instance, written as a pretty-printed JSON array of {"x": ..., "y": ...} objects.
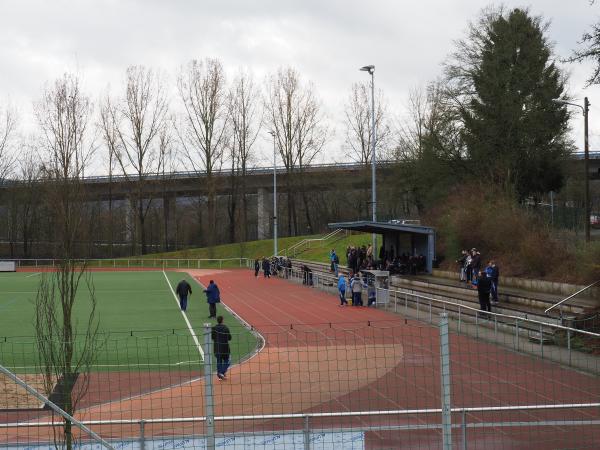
[{"x": 356, "y": 286}]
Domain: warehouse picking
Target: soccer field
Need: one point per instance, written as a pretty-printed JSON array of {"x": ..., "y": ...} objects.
[{"x": 140, "y": 323}]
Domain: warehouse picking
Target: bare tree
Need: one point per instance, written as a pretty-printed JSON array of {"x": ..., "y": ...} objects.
[
  {"x": 246, "y": 117},
  {"x": 28, "y": 200},
  {"x": 7, "y": 132},
  {"x": 430, "y": 145},
  {"x": 294, "y": 114},
  {"x": 203, "y": 134},
  {"x": 358, "y": 123},
  {"x": 8, "y": 125},
  {"x": 110, "y": 135},
  {"x": 64, "y": 115},
  {"x": 167, "y": 159},
  {"x": 140, "y": 120}
]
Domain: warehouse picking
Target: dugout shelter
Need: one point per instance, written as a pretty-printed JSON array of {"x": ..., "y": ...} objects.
[{"x": 398, "y": 236}]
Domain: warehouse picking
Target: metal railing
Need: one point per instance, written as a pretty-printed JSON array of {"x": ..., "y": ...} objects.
[
  {"x": 425, "y": 307},
  {"x": 464, "y": 425},
  {"x": 147, "y": 263},
  {"x": 534, "y": 330},
  {"x": 307, "y": 243},
  {"x": 190, "y": 174},
  {"x": 559, "y": 304}
]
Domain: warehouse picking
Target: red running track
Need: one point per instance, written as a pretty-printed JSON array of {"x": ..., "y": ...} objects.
[{"x": 320, "y": 357}]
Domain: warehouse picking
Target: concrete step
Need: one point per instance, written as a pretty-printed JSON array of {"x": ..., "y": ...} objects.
[
  {"x": 516, "y": 303},
  {"x": 518, "y": 300},
  {"x": 471, "y": 300}
]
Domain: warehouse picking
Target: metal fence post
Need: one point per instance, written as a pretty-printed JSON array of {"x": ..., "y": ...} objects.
[
  {"x": 464, "y": 430},
  {"x": 142, "y": 435},
  {"x": 541, "y": 340},
  {"x": 445, "y": 373},
  {"x": 569, "y": 345},
  {"x": 208, "y": 389},
  {"x": 306, "y": 433}
]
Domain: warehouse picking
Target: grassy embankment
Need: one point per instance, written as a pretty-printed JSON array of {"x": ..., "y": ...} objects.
[{"x": 257, "y": 249}]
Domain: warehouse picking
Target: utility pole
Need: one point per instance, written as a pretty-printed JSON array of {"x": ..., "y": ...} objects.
[{"x": 586, "y": 164}]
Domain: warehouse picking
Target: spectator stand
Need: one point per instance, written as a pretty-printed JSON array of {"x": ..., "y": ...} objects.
[{"x": 412, "y": 240}]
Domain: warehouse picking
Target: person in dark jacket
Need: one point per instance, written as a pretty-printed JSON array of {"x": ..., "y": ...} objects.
[
  {"x": 256, "y": 268},
  {"x": 266, "y": 267},
  {"x": 475, "y": 264},
  {"x": 213, "y": 296},
  {"x": 494, "y": 274},
  {"x": 183, "y": 289},
  {"x": 484, "y": 285},
  {"x": 221, "y": 337}
]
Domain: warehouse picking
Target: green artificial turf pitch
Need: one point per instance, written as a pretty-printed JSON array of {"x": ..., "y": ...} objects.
[{"x": 140, "y": 323}]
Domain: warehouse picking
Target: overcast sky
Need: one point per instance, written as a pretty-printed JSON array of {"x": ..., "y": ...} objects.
[{"x": 327, "y": 41}]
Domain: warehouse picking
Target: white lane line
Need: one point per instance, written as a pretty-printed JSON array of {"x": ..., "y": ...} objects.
[
  {"x": 185, "y": 318},
  {"x": 33, "y": 274}
]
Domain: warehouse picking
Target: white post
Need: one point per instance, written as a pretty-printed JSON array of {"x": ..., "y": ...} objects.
[
  {"x": 445, "y": 372},
  {"x": 274, "y": 196},
  {"x": 373, "y": 160},
  {"x": 208, "y": 389}
]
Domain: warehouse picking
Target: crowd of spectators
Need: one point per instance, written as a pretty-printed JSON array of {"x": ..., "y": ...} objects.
[
  {"x": 471, "y": 271},
  {"x": 276, "y": 265},
  {"x": 362, "y": 258}
]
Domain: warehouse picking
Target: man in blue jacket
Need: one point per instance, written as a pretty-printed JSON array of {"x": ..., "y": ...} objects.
[
  {"x": 213, "y": 296},
  {"x": 342, "y": 290}
]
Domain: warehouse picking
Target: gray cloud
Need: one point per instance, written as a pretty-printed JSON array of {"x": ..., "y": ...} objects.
[{"x": 327, "y": 41}]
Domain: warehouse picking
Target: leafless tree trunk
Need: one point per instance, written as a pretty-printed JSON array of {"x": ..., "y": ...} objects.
[
  {"x": 28, "y": 198},
  {"x": 110, "y": 135},
  {"x": 7, "y": 158},
  {"x": 140, "y": 121},
  {"x": 63, "y": 114},
  {"x": 166, "y": 154},
  {"x": 8, "y": 125},
  {"x": 203, "y": 133},
  {"x": 294, "y": 115},
  {"x": 245, "y": 121}
]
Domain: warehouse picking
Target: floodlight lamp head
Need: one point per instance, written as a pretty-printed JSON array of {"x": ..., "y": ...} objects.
[{"x": 370, "y": 68}]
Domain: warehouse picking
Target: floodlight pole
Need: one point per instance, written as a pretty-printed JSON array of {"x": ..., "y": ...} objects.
[
  {"x": 586, "y": 161},
  {"x": 371, "y": 70},
  {"x": 586, "y": 165},
  {"x": 272, "y": 133}
]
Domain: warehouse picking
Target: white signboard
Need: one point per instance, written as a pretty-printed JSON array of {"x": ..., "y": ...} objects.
[
  {"x": 8, "y": 266},
  {"x": 272, "y": 441}
]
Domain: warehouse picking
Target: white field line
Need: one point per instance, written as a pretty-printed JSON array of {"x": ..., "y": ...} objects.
[
  {"x": 33, "y": 274},
  {"x": 185, "y": 318},
  {"x": 175, "y": 364}
]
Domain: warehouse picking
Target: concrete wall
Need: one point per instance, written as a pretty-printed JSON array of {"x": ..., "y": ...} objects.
[{"x": 550, "y": 287}]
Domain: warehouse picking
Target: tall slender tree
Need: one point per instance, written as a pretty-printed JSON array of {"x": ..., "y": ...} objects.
[
  {"x": 66, "y": 353},
  {"x": 139, "y": 120},
  {"x": 295, "y": 115},
  {"x": 245, "y": 117},
  {"x": 8, "y": 127},
  {"x": 203, "y": 133}
]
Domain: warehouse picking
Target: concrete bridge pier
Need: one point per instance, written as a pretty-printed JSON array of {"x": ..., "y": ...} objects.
[
  {"x": 130, "y": 221},
  {"x": 169, "y": 222},
  {"x": 263, "y": 217}
]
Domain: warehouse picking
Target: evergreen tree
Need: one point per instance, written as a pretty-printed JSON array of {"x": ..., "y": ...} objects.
[{"x": 515, "y": 133}]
